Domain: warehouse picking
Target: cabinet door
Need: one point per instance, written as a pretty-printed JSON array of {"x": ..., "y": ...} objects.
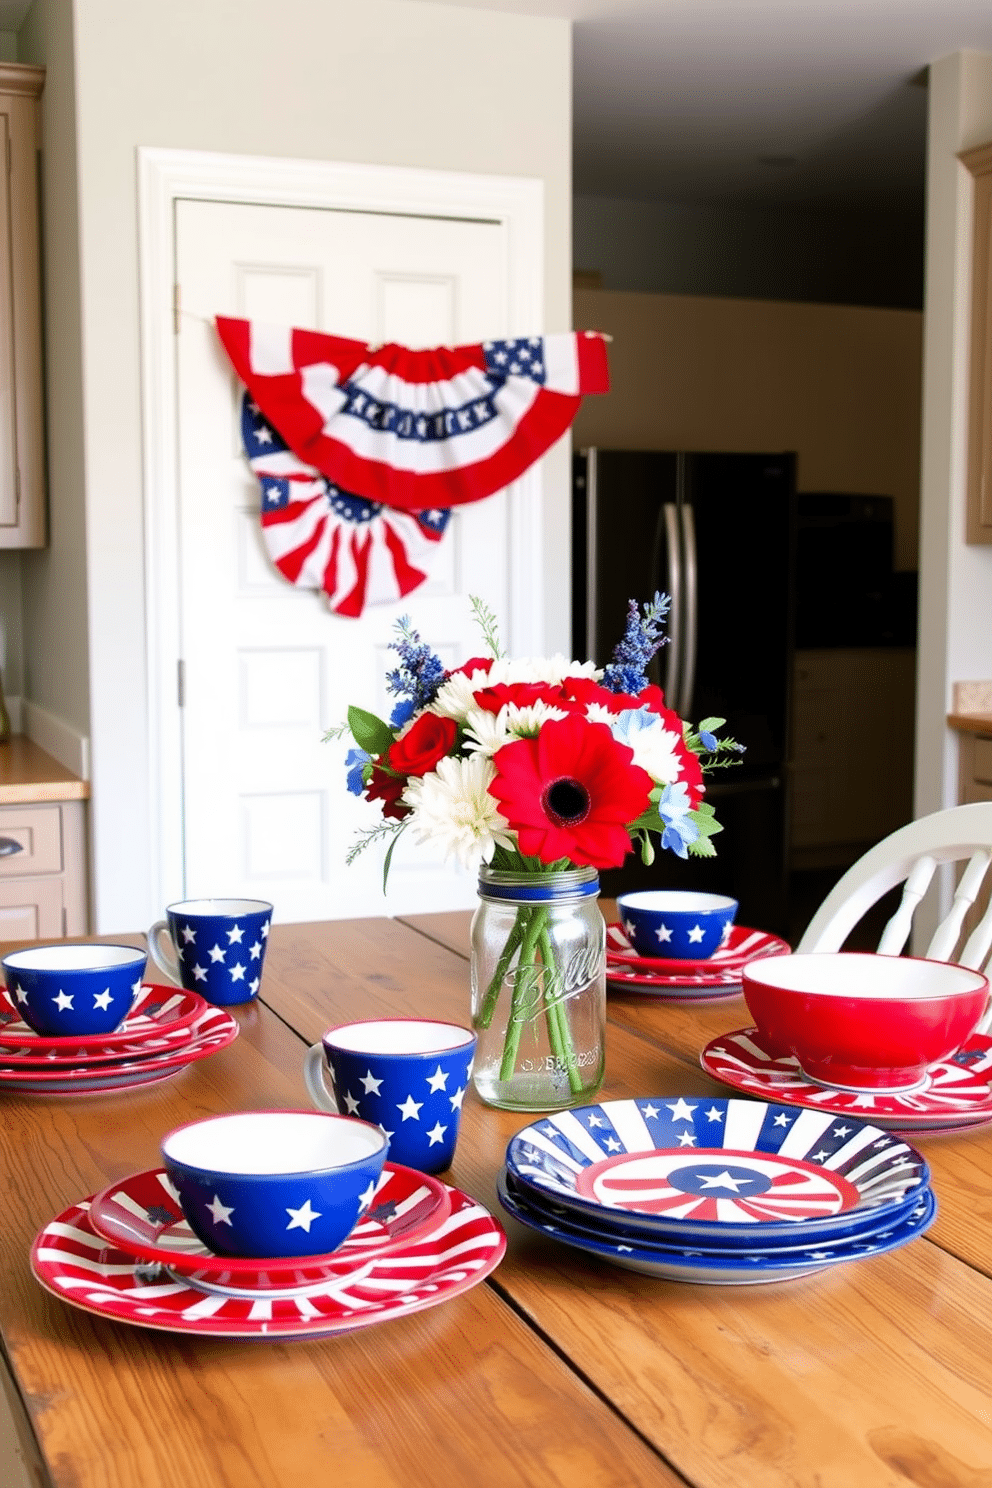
[
  {"x": 979, "y": 163},
  {"x": 22, "y": 494},
  {"x": 31, "y": 909}
]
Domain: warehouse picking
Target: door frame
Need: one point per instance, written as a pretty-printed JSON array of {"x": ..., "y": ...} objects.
[{"x": 165, "y": 176}]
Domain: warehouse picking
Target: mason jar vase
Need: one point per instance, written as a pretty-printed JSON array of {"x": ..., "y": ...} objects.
[{"x": 538, "y": 989}]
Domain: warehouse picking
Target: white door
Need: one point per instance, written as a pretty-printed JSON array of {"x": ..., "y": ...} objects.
[{"x": 268, "y": 668}]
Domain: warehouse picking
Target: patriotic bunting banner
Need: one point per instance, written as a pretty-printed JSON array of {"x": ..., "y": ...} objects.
[
  {"x": 415, "y": 431},
  {"x": 321, "y": 537}
]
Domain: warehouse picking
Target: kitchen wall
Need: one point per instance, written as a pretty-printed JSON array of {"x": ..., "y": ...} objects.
[
  {"x": 839, "y": 384},
  {"x": 835, "y": 253},
  {"x": 955, "y": 577},
  {"x": 407, "y": 83}
]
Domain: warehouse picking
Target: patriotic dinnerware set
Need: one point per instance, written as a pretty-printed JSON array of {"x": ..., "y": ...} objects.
[
  {"x": 398, "y": 1241},
  {"x": 721, "y": 1192},
  {"x": 902, "y": 1042},
  {"x": 684, "y": 978},
  {"x": 77, "y": 1018}
]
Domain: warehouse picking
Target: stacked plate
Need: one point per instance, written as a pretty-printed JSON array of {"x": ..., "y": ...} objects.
[
  {"x": 128, "y": 1254},
  {"x": 956, "y": 1093},
  {"x": 718, "y": 975},
  {"x": 165, "y": 1031},
  {"x": 716, "y": 1191}
]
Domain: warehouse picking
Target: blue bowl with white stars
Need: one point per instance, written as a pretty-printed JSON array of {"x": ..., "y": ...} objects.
[
  {"x": 215, "y": 947},
  {"x": 69, "y": 990},
  {"x": 274, "y": 1183},
  {"x": 408, "y": 1076},
  {"x": 720, "y": 1171},
  {"x": 676, "y": 924}
]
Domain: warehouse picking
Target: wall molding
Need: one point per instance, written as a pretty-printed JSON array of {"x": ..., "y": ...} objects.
[{"x": 59, "y": 739}]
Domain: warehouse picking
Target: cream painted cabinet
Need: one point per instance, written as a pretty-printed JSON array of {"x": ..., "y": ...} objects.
[
  {"x": 852, "y": 751},
  {"x": 22, "y": 473},
  {"x": 42, "y": 871}
]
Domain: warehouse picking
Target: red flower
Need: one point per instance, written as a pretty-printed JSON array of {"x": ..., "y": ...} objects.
[
  {"x": 387, "y": 788},
  {"x": 419, "y": 750},
  {"x": 585, "y": 690},
  {"x": 571, "y": 792},
  {"x": 474, "y": 664},
  {"x": 522, "y": 695}
]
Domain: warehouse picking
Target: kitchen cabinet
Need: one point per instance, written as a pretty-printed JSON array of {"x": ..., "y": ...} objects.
[
  {"x": 22, "y": 466},
  {"x": 43, "y": 880},
  {"x": 852, "y": 751},
  {"x": 979, "y": 500}
]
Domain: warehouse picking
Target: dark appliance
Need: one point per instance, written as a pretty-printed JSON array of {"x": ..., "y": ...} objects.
[
  {"x": 717, "y": 532},
  {"x": 847, "y": 591}
]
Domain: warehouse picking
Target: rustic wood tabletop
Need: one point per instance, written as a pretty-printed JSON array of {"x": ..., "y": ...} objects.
[{"x": 557, "y": 1370}]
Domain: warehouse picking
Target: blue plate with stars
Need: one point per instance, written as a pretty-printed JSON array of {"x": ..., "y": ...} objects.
[
  {"x": 741, "y": 1266},
  {"x": 720, "y": 1171}
]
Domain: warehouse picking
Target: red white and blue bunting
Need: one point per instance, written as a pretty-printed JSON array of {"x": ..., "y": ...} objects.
[
  {"x": 361, "y": 450},
  {"x": 320, "y": 537}
]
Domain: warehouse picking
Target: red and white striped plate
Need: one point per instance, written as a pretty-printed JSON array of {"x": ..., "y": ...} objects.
[
  {"x": 76, "y": 1265},
  {"x": 157, "y": 1013},
  {"x": 957, "y": 1091},
  {"x": 213, "y": 1030},
  {"x": 141, "y": 1215}
]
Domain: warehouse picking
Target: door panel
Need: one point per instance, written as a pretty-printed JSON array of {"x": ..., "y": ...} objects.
[{"x": 268, "y": 668}]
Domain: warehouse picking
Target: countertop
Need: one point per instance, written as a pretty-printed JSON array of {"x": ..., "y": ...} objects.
[
  {"x": 28, "y": 774},
  {"x": 970, "y": 723}
]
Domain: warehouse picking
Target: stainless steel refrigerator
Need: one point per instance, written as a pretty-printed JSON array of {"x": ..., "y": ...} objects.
[{"x": 717, "y": 532}]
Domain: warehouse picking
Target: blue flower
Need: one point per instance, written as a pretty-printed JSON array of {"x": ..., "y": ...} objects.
[
  {"x": 355, "y": 762},
  {"x": 627, "y": 672},
  {"x": 402, "y": 713},
  {"x": 680, "y": 830},
  {"x": 709, "y": 741},
  {"x": 420, "y": 672}
]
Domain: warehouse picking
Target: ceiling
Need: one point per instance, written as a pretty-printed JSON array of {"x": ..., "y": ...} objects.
[
  {"x": 756, "y": 101},
  {"x": 749, "y": 101}
]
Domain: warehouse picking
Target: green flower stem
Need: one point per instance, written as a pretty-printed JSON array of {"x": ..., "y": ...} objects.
[
  {"x": 559, "y": 1033},
  {"x": 528, "y": 957},
  {"x": 513, "y": 940}
]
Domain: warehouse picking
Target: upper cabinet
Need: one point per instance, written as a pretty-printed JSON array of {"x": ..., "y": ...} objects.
[
  {"x": 979, "y": 163},
  {"x": 22, "y": 463}
]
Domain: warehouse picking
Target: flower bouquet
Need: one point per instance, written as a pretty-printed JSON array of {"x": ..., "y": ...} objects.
[{"x": 537, "y": 773}]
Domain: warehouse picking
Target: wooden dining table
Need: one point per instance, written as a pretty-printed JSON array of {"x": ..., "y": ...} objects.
[{"x": 558, "y": 1369}]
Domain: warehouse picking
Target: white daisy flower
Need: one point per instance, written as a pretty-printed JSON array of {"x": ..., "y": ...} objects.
[
  {"x": 486, "y": 732},
  {"x": 453, "y": 810},
  {"x": 655, "y": 746}
]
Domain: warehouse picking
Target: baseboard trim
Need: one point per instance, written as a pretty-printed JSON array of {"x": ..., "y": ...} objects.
[
  {"x": 61, "y": 740},
  {"x": 15, "y": 712}
]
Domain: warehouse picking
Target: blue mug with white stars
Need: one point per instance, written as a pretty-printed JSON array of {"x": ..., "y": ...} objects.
[
  {"x": 217, "y": 947},
  {"x": 407, "y": 1076}
]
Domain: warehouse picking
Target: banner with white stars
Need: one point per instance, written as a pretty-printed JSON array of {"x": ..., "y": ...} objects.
[
  {"x": 416, "y": 430},
  {"x": 318, "y": 536}
]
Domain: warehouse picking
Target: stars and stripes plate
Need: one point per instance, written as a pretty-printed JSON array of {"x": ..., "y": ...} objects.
[
  {"x": 743, "y": 1266},
  {"x": 718, "y": 1168},
  {"x": 742, "y": 945},
  {"x": 156, "y": 1012},
  {"x": 956, "y": 1091},
  {"x": 213, "y": 1029},
  {"x": 74, "y": 1263},
  {"x": 142, "y": 1215}
]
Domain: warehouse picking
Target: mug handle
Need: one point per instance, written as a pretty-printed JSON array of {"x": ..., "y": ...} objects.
[
  {"x": 167, "y": 965},
  {"x": 313, "y": 1073}
]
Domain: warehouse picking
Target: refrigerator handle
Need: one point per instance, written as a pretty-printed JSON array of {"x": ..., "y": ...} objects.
[
  {"x": 690, "y": 611},
  {"x": 669, "y": 516}
]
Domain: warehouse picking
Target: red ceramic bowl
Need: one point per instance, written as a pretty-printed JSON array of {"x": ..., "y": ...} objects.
[{"x": 864, "y": 1022}]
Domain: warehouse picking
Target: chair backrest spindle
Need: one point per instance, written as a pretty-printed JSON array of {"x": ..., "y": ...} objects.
[
  {"x": 896, "y": 932},
  {"x": 948, "y": 932}
]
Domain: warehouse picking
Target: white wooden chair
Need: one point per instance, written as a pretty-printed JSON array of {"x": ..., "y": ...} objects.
[{"x": 911, "y": 856}]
